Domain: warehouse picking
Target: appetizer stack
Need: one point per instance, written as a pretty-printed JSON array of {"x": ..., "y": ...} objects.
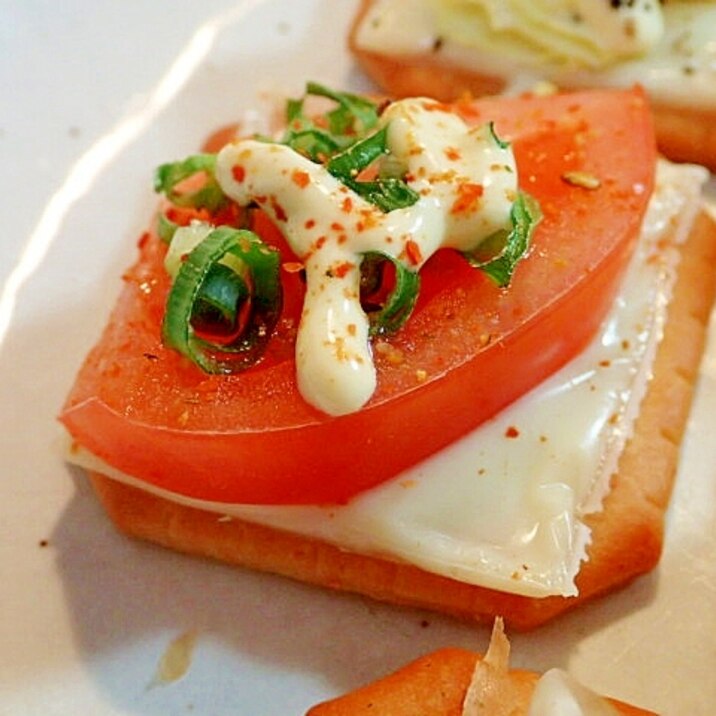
[{"x": 438, "y": 353}]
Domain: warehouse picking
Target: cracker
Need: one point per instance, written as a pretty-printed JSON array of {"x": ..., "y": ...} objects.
[
  {"x": 627, "y": 534},
  {"x": 433, "y": 685}
]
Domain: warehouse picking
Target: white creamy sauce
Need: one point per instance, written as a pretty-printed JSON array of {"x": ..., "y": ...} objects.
[
  {"x": 330, "y": 228},
  {"x": 669, "y": 50},
  {"x": 557, "y": 693},
  {"x": 505, "y": 512}
]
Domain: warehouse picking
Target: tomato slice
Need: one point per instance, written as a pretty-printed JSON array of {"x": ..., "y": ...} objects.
[{"x": 469, "y": 349}]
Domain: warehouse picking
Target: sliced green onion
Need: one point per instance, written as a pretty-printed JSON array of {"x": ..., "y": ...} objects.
[
  {"x": 386, "y": 192},
  {"x": 501, "y": 143},
  {"x": 354, "y": 113},
  {"x": 216, "y": 309},
  {"x": 225, "y": 301},
  {"x": 207, "y": 196},
  {"x": 357, "y": 157},
  {"x": 340, "y": 128},
  {"x": 387, "y": 308},
  {"x": 312, "y": 143},
  {"x": 498, "y": 255},
  {"x": 166, "y": 228}
]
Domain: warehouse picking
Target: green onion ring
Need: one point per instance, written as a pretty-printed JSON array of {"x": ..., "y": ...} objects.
[
  {"x": 499, "y": 253},
  {"x": 253, "y": 279},
  {"x": 399, "y": 304},
  {"x": 208, "y": 196}
]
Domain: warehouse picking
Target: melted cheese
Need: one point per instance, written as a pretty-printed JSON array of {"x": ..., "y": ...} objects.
[
  {"x": 580, "y": 33},
  {"x": 515, "y": 41},
  {"x": 331, "y": 227},
  {"x": 503, "y": 507}
]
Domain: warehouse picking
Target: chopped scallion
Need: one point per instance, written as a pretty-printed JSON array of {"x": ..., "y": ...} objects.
[
  {"x": 388, "y": 292},
  {"x": 498, "y": 255},
  {"x": 225, "y": 301},
  {"x": 168, "y": 179}
]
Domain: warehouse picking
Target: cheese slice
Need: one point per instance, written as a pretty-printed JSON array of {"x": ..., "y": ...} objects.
[{"x": 503, "y": 507}]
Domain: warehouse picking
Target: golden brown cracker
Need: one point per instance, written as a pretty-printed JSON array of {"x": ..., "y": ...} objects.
[{"x": 627, "y": 534}]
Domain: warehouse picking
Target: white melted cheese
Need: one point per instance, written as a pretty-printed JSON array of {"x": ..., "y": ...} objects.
[
  {"x": 526, "y": 42},
  {"x": 557, "y": 693},
  {"x": 506, "y": 512},
  {"x": 331, "y": 227},
  {"x": 576, "y": 32}
]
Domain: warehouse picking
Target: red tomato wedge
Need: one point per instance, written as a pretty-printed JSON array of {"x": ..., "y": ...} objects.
[{"x": 469, "y": 349}]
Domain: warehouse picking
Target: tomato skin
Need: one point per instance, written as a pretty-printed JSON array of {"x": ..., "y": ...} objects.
[{"x": 468, "y": 351}]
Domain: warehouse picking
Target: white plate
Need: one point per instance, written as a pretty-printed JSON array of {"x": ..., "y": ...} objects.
[{"x": 100, "y": 93}]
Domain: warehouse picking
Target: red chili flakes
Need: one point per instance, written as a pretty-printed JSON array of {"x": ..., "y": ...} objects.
[
  {"x": 468, "y": 195},
  {"x": 320, "y": 241},
  {"x": 452, "y": 154},
  {"x": 278, "y": 210},
  {"x": 412, "y": 251},
  {"x": 143, "y": 240},
  {"x": 512, "y": 432},
  {"x": 347, "y": 205},
  {"x": 340, "y": 270},
  {"x": 309, "y": 224},
  {"x": 239, "y": 173},
  {"x": 300, "y": 179},
  {"x": 369, "y": 219},
  {"x": 432, "y": 106},
  {"x": 352, "y": 329},
  {"x": 337, "y": 227},
  {"x": 292, "y": 266}
]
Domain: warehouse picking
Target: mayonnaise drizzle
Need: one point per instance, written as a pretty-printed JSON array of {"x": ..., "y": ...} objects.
[{"x": 330, "y": 228}]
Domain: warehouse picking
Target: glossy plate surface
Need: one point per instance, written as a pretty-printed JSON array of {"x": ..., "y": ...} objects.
[{"x": 97, "y": 94}]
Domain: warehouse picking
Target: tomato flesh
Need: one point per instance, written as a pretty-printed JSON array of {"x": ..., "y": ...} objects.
[{"x": 468, "y": 350}]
